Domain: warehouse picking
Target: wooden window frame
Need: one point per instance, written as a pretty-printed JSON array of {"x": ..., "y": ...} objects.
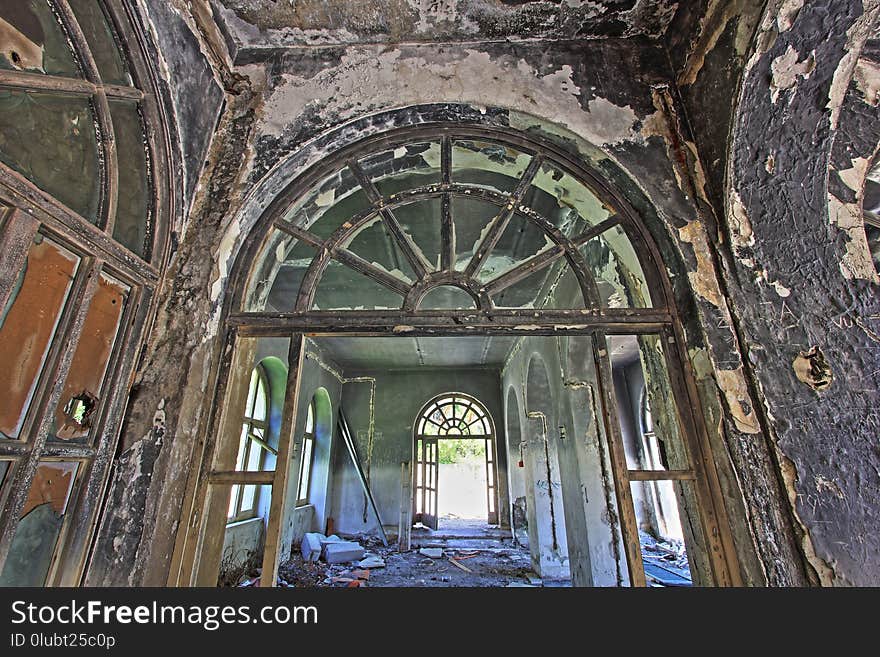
[
  {"x": 25, "y": 210},
  {"x": 308, "y": 440},
  {"x": 253, "y": 442}
]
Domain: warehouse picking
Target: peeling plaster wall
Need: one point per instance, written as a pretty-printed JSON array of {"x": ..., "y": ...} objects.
[{"x": 794, "y": 287}]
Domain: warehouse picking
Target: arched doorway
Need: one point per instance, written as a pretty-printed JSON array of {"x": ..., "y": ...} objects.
[
  {"x": 451, "y": 417},
  {"x": 450, "y": 230}
]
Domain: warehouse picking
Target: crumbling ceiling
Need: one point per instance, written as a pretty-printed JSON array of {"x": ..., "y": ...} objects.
[{"x": 265, "y": 25}]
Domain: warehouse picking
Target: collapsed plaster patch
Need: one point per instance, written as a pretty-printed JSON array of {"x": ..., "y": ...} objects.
[
  {"x": 740, "y": 225},
  {"x": 781, "y": 290},
  {"x": 867, "y": 80},
  {"x": 856, "y": 261},
  {"x": 856, "y": 35},
  {"x": 703, "y": 279},
  {"x": 822, "y": 570},
  {"x": 787, "y": 14},
  {"x": 787, "y": 68},
  {"x": 713, "y": 24},
  {"x": 732, "y": 384},
  {"x": 811, "y": 368}
]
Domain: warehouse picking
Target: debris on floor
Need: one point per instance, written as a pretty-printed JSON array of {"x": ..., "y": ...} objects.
[
  {"x": 371, "y": 561},
  {"x": 665, "y": 562},
  {"x": 434, "y": 553}
]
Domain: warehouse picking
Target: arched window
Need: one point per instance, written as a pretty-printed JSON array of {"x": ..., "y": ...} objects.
[
  {"x": 454, "y": 416},
  {"x": 83, "y": 216},
  {"x": 252, "y": 448},
  {"x": 308, "y": 455}
]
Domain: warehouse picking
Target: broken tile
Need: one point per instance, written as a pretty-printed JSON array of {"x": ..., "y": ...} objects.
[
  {"x": 434, "y": 553},
  {"x": 372, "y": 562}
]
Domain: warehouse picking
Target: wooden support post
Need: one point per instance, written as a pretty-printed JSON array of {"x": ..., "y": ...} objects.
[
  {"x": 404, "y": 528},
  {"x": 271, "y": 554}
]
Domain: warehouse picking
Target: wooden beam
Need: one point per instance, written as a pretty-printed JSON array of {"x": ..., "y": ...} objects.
[
  {"x": 524, "y": 269},
  {"x": 595, "y": 231},
  {"x": 662, "y": 475},
  {"x": 447, "y": 226},
  {"x": 259, "y": 477},
  {"x": 17, "y": 232},
  {"x": 299, "y": 233},
  {"x": 368, "y": 269},
  {"x": 625, "y": 509},
  {"x": 429, "y": 323},
  {"x": 404, "y": 527}
]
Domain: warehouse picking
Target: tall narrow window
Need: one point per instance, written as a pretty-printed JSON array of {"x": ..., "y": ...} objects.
[
  {"x": 252, "y": 448},
  {"x": 308, "y": 452}
]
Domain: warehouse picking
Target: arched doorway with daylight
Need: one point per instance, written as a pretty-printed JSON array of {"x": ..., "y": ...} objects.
[
  {"x": 455, "y": 470},
  {"x": 427, "y": 254}
]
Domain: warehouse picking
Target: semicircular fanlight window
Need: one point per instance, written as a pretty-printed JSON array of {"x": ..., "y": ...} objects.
[
  {"x": 454, "y": 415},
  {"x": 514, "y": 228}
]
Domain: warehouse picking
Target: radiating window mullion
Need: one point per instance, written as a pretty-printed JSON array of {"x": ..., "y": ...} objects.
[{"x": 102, "y": 109}]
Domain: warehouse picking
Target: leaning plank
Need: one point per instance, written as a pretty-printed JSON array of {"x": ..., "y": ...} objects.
[{"x": 352, "y": 451}]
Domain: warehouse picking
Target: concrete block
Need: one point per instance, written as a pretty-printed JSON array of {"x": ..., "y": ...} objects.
[
  {"x": 311, "y": 546},
  {"x": 342, "y": 551},
  {"x": 434, "y": 553},
  {"x": 333, "y": 538}
]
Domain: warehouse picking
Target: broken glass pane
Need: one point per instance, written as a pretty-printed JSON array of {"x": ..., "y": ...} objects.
[
  {"x": 341, "y": 288},
  {"x": 472, "y": 218},
  {"x": 487, "y": 164},
  {"x": 241, "y": 556},
  {"x": 281, "y": 270},
  {"x": 531, "y": 291},
  {"x": 520, "y": 240},
  {"x": 101, "y": 40},
  {"x": 617, "y": 271},
  {"x": 305, "y": 469},
  {"x": 404, "y": 167},
  {"x": 329, "y": 204},
  {"x": 376, "y": 245},
  {"x": 42, "y": 517},
  {"x": 567, "y": 203},
  {"x": 28, "y": 324},
  {"x": 421, "y": 221},
  {"x": 32, "y": 39},
  {"x": 51, "y": 140},
  {"x": 4, "y": 469},
  {"x": 77, "y": 412},
  {"x": 447, "y": 297},
  {"x": 133, "y": 203}
]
